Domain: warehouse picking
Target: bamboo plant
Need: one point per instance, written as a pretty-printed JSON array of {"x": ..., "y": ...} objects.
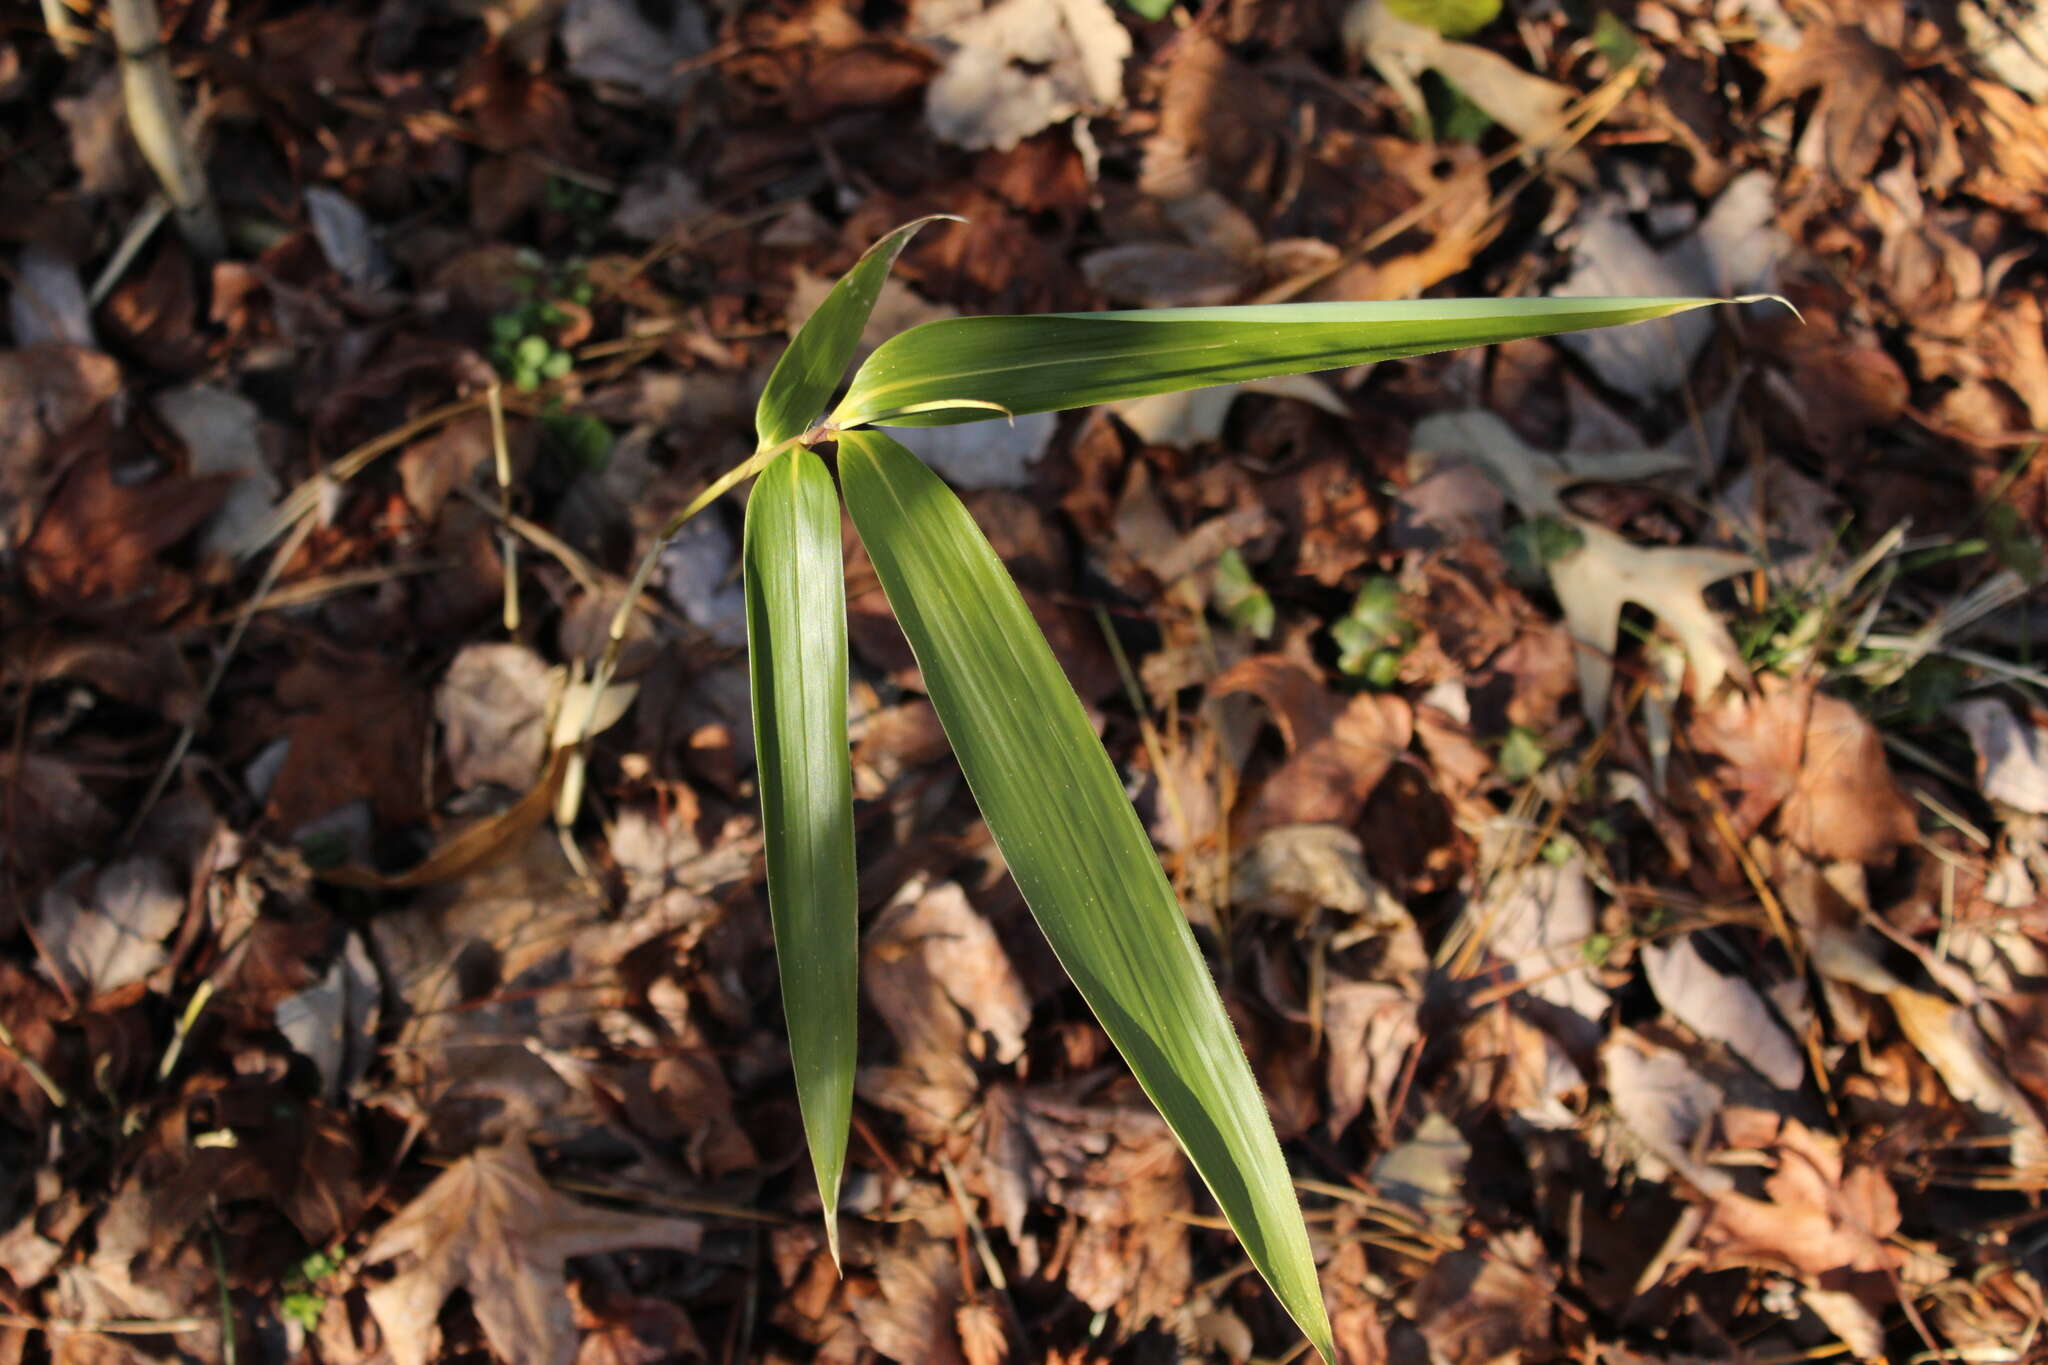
[{"x": 1048, "y": 791}]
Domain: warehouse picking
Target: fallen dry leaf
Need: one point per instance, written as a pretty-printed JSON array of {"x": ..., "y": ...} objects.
[
  {"x": 1723, "y": 1009},
  {"x": 1022, "y": 65},
  {"x": 1605, "y": 573},
  {"x": 936, "y": 973},
  {"x": 492, "y": 707},
  {"x": 1482, "y": 1306},
  {"x": 99, "y": 545},
  {"x": 1866, "y": 90},
  {"x": 1821, "y": 1217},
  {"x": 107, "y": 927},
  {"x": 1338, "y": 750},
  {"x": 491, "y": 1225},
  {"x": 1816, "y": 761},
  {"x": 2012, "y": 755},
  {"x": 1368, "y": 1029},
  {"x": 910, "y": 1314}
]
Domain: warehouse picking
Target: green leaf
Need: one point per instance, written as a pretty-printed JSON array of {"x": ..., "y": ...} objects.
[
  {"x": 1238, "y": 595},
  {"x": 796, "y": 652},
  {"x": 1150, "y": 9},
  {"x": 1452, "y": 18},
  {"x": 957, "y": 369},
  {"x": 1058, "y": 812},
  {"x": 803, "y": 380}
]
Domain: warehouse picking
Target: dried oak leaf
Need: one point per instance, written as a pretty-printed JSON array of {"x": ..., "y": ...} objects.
[
  {"x": 491, "y": 1225},
  {"x": 1338, "y": 749},
  {"x": 1820, "y": 1217},
  {"x": 1816, "y": 761}
]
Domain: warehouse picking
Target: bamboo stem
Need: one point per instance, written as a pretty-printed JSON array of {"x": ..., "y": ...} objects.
[{"x": 159, "y": 125}]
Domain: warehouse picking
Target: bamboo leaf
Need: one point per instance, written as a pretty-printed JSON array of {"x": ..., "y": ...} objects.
[
  {"x": 803, "y": 380},
  {"x": 1058, "y": 812},
  {"x": 796, "y": 653},
  {"x": 1068, "y": 360}
]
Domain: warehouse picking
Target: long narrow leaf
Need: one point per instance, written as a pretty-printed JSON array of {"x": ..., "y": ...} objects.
[
  {"x": 803, "y": 380},
  {"x": 796, "y": 651},
  {"x": 1058, "y": 812},
  {"x": 991, "y": 365}
]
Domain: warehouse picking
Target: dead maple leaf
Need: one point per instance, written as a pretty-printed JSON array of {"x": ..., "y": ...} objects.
[
  {"x": 491, "y": 1225},
  {"x": 1338, "y": 750},
  {"x": 1816, "y": 761},
  {"x": 1821, "y": 1216}
]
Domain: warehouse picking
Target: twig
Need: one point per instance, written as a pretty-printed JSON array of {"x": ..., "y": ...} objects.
[
  {"x": 508, "y": 543},
  {"x": 34, "y": 1068},
  {"x": 183, "y": 744},
  {"x": 66, "y": 36},
  {"x": 159, "y": 127},
  {"x": 132, "y": 241}
]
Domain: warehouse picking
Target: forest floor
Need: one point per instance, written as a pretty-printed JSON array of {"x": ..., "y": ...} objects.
[{"x": 1609, "y": 777}]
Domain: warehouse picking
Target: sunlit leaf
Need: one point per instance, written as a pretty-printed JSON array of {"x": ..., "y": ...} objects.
[
  {"x": 1057, "y": 810},
  {"x": 803, "y": 380},
  {"x": 972, "y": 369},
  {"x": 796, "y": 652}
]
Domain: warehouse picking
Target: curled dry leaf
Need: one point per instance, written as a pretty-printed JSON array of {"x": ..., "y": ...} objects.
[
  {"x": 491, "y": 1225},
  {"x": 1368, "y": 1029},
  {"x": 1117, "y": 1175}
]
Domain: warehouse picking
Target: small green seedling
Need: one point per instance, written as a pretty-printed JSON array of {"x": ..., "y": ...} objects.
[
  {"x": 1239, "y": 597},
  {"x": 302, "y": 1302},
  {"x": 581, "y": 206},
  {"x": 1049, "y": 793},
  {"x": 522, "y": 338},
  {"x": 1452, "y": 18},
  {"x": 1530, "y": 546},
  {"x": 1373, "y": 636},
  {"x": 1521, "y": 754}
]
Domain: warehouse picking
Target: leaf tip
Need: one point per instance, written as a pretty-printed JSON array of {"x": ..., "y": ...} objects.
[
  {"x": 1770, "y": 298},
  {"x": 832, "y": 1239}
]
